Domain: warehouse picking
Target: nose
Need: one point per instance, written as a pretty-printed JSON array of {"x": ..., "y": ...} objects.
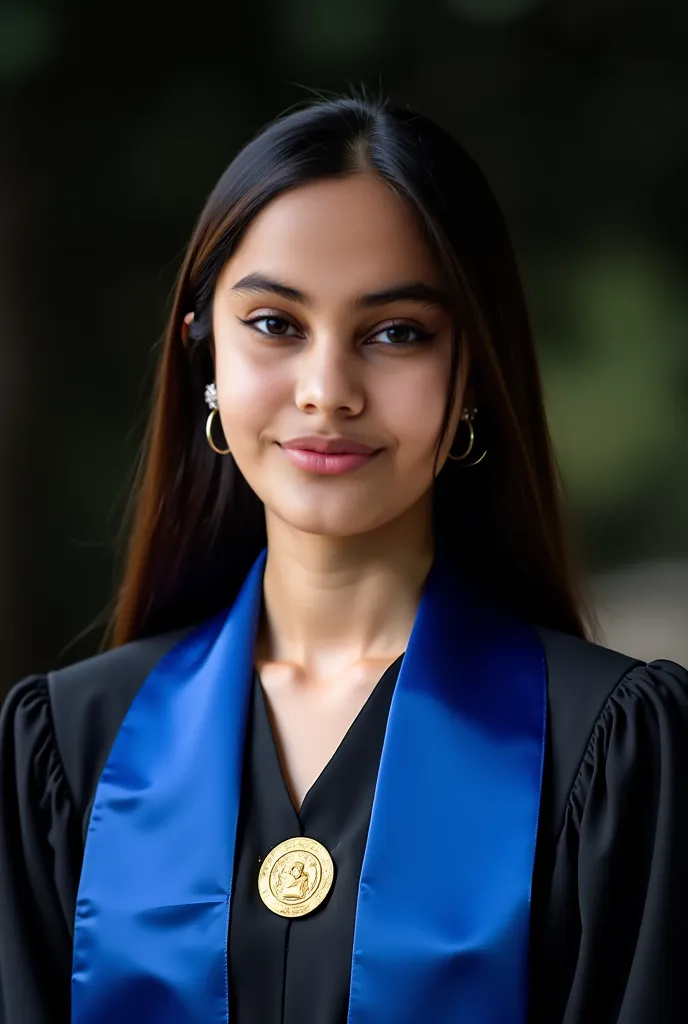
[{"x": 328, "y": 378}]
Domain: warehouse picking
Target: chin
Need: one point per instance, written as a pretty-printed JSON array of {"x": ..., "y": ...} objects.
[{"x": 336, "y": 523}]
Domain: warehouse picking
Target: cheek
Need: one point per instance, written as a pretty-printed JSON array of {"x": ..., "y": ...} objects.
[
  {"x": 248, "y": 389},
  {"x": 415, "y": 405}
]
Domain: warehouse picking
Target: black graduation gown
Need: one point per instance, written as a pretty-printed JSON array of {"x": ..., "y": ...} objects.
[{"x": 609, "y": 936}]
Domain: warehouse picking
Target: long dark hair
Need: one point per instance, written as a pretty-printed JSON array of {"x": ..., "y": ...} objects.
[{"x": 197, "y": 525}]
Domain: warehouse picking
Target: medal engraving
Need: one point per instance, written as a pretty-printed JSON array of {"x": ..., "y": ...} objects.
[{"x": 295, "y": 877}]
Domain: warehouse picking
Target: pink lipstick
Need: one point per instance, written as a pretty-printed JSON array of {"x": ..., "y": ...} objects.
[{"x": 328, "y": 455}]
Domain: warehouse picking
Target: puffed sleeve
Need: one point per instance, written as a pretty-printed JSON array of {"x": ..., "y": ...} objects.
[
  {"x": 40, "y": 850},
  {"x": 617, "y": 934}
]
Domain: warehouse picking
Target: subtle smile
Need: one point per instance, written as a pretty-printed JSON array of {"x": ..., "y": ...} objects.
[{"x": 328, "y": 456}]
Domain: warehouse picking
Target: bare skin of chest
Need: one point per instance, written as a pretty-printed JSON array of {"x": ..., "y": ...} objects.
[{"x": 310, "y": 719}]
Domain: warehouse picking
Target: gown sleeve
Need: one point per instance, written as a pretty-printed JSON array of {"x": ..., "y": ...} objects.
[
  {"x": 40, "y": 849},
  {"x": 618, "y": 932}
]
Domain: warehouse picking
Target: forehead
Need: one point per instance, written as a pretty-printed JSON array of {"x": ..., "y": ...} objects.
[{"x": 336, "y": 238}]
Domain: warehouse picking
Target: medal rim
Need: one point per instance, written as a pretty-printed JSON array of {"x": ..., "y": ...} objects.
[{"x": 293, "y": 845}]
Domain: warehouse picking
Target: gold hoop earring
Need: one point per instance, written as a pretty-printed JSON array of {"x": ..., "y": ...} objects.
[
  {"x": 209, "y": 434},
  {"x": 211, "y": 402},
  {"x": 467, "y": 417},
  {"x": 469, "y": 465}
]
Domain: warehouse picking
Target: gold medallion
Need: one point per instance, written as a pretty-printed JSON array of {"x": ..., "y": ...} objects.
[{"x": 295, "y": 877}]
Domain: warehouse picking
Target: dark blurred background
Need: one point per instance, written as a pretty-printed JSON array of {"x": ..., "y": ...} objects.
[{"x": 116, "y": 122}]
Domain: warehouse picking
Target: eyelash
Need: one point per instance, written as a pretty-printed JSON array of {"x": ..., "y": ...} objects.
[{"x": 421, "y": 336}]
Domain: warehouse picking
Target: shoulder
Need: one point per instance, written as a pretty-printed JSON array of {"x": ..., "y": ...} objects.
[
  {"x": 589, "y": 689},
  {"x": 27, "y": 742},
  {"x": 109, "y": 679},
  {"x": 88, "y": 702}
]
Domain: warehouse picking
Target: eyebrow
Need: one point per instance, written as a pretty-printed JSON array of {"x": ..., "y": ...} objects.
[{"x": 413, "y": 291}]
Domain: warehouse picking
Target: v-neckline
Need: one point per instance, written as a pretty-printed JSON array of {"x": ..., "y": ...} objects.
[{"x": 340, "y": 750}]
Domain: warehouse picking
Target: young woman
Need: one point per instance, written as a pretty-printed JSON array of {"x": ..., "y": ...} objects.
[{"x": 351, "y": 758}]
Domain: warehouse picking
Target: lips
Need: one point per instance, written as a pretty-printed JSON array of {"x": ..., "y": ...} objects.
[{"x": 329, "y": 445}]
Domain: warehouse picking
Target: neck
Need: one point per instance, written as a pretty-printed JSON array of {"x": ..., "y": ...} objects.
[{"x": 331, "y": 603}]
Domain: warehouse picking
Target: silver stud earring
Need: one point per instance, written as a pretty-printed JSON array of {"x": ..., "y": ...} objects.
[{"x": 211, "y": 395}]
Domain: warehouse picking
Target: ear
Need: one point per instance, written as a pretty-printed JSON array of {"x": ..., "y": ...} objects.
[{"x": 185, "y": 329}]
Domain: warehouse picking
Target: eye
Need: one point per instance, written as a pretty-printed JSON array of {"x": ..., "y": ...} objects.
[
  {"x": 400, "y": 335},
  {"x": 274, "y": 326}
]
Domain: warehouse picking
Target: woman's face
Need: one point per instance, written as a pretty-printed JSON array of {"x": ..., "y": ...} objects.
[{"x": 330, "y": 322}]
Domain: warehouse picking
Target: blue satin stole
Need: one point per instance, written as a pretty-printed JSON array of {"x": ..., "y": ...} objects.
[{"x": 442, "y": 920}]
